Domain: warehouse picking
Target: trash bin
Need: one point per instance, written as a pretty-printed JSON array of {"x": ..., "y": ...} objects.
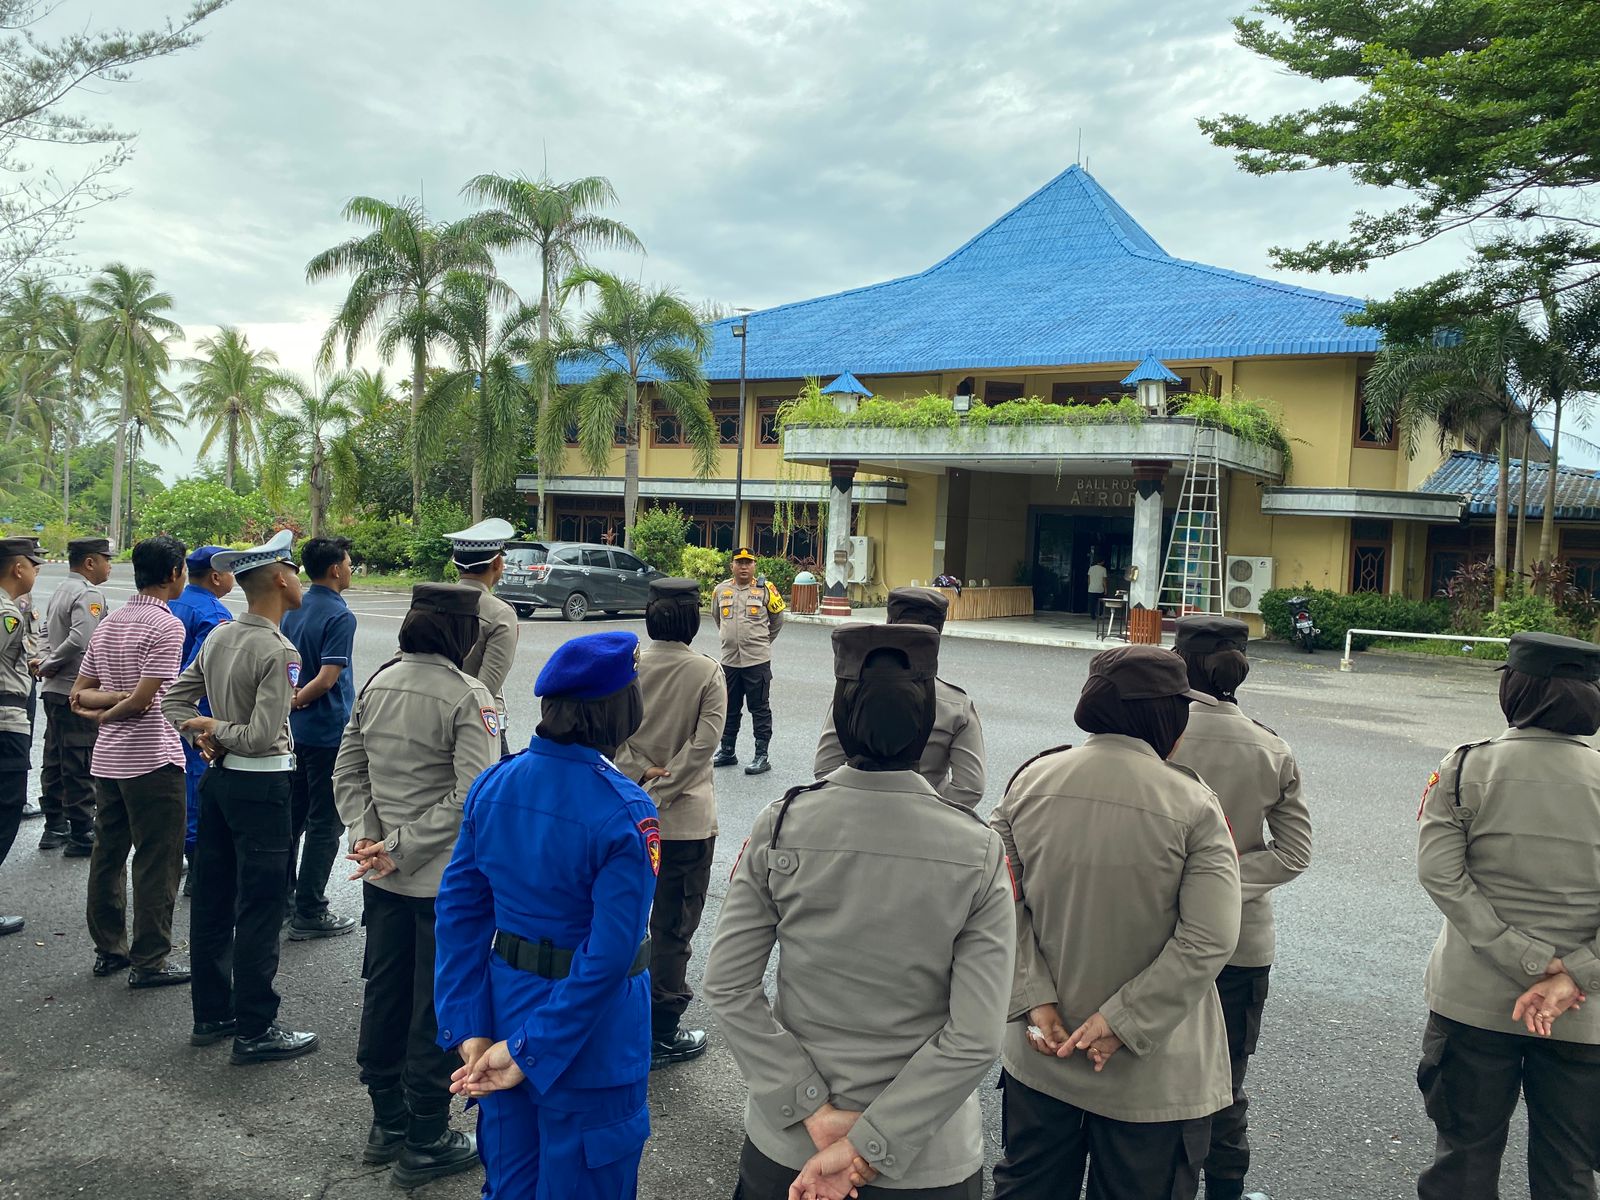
[
  {"x": 1144, "y": 626},
  {"x": 806, "y": 594}
]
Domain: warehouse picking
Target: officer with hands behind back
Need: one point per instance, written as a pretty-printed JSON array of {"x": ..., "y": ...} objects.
[{"x": 749, "y": 613}]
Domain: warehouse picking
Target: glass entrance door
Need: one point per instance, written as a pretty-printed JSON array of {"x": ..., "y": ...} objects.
[{"x": 1066, "y": 544}]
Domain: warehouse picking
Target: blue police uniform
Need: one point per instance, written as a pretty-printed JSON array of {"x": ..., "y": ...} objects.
[
  {"x": 200, "y": 612},
  {"x": 555, "y": 868}
]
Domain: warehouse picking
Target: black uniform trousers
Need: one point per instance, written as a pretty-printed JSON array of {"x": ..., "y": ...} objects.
[
  {"x": 1243, "y": 992},
  {"x": 1049, "y": 1144},
  {"x": 762, "y": 1179},
  {"x": 396, "y": 1047},
  {"x": 236, "y": 912},
  {"x": 68, "y": 797},
  {"x": 1470, "y": 1078},
  {"x": 681, "y": 887},
  {"x": 145, "y": 814},
  {"x": 315, "y": 816},
  {"x": 14, "y": 759},
  {"x": 750, "y": 686}
]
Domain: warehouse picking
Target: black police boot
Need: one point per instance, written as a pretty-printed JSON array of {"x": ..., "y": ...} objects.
[
  {"x": 272, "y": 1045},
  {"x": 56, "y": 835},
  {"x": 683, "y": 1045},
  {"x": 1223, "y": 1189},
  {"x": 759, "y": 764},
  {"x": 109, "y": 964},
  {"x": 209, "y": 1033},
  {"x": 725, "y": 756},
  {"x": 79, "y": 845},
  {"x": 433, "y": 1150},
  {"x": 323, "y": 925},
  {"x": 166, "y": 975},
  {"x": 390, "y": 1118}
]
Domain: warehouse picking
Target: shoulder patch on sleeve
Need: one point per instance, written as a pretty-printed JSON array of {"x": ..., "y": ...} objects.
[
  {"x": 738, "y": 858},
  {"x": 491, "y": 720},
  {"x": 96, "y": 608},
  {"x": 1433, "y": 781},
  {"x": 10, "y": 622},
  {"x": 1034, "y": 759},
  {"x": 1016, "y": 892},
  {"x": 650, "y": 828},
  {"x": 293, "y": 671}
]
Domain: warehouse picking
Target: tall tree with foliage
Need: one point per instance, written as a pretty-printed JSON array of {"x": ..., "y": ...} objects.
[
  {"x": 630, "y": 338},
  {"x": 27, "y": 321},
  {"x": 303, "y": 439},
  {"x": 1486, "y": 111},
  {"x": 1562, "y": 369},
  {"x": 398, "y": 271},
  {"x": 158, "y": 415},
  {"x": 561, "y": 223},
  {"x": 83, "y": 383},
  {"x": 230, "y": 394},
  {"x": 131, "y": 334}
]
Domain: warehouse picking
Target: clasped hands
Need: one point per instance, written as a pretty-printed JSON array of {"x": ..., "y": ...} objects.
[
  {"x": 1540, "y": 1005},
  {"x": 486, "y": 1066},
  {"x": 835, "y": 1171},
  {"x": 373, "y": 862},
  {"x": 1049, "y": 1036},
  {"x": 205, "y": 742}
]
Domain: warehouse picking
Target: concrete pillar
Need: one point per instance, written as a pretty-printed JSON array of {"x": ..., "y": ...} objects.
[
  {"x": 836, "y": 562},
  {"x": 1149, "y": 479}
]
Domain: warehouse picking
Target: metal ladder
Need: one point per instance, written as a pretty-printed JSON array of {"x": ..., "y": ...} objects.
[{"x": 1192, "y": 579}]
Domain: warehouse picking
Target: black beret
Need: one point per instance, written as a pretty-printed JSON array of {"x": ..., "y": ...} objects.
[
  {"x": 675, "y": 589},
  {"x": 1145, "y": 673},
  {"x": 455, "y": 598},
  {"x": 89, "y": 545},
  {"x": 24, "y": 547},
  {"x": 918, "y": 606},
  {"x": 1551, "y": 656},
  {"x": 1207, "y": 635},
  {"x": 855, "y": 640}
]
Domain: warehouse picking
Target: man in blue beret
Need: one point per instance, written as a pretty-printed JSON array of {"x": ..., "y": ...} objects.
[
  {"x": 565, "y": 848},
  {"x": 201, "y": 610}
]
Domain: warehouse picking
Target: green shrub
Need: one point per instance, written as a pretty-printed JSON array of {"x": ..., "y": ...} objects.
[
  {"x": 1465, "y": 648},
  {"x": 779, "y": 572},
  {"x": 56, "y": 535},
  {"x": 384, "y": 546},
  {"x": 199, "y": 512},
  {"x": 1336, "y": 613},
  {"x": 430, "y": 553},
  {"x": 707, "y": 567},
  {"x": 1523, "y": 612},
  {"x": 659, "y": 537}
]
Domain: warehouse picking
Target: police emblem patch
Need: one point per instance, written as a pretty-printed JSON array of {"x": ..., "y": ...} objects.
[
  {"x": 11, "y": 623},
  {"x": 96, "y": 609},
  {"x": 491, "y": 720},
  {"x": 651, "y": 828},
  {"x": 293, "y": 671},
  {"x": 1428, "y": 787}
]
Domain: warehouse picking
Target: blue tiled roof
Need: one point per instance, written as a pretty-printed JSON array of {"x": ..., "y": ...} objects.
[
  {"x": 1476, "y": 476},
  {"x": 1066, "y": 277},
  {"x": 847, "y": 385},
  {"x": 1152, "y": 369}
]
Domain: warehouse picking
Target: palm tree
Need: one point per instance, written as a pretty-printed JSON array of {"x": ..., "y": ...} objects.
[
  {"x": 1563, "y": 366},
  {"x": 1463, "y": 386},
  {"x": 131, "y": 333},
  {"x": 486, "y": 382},
  {"x": 398, "y": 270},
  {"x": 28, "y": 319},
  {"x": 156, "y": 412},
  {"x": 561, "y": 223},
  {"x": 318, "y": 418},
  {"x": 83, "y": 383},
  {"x": 231, "y": 393},
  {"x": 632, "y": 336}
]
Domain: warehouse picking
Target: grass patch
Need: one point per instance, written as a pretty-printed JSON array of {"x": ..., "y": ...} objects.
[
  {"x": 375, "y": 582},
  {"x": 1481, "y": 651}
]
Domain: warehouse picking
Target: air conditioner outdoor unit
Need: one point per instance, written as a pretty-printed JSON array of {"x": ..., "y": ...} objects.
[
  {"x": 1247, "y": 580},
  {"x": 860, "y": 560}
]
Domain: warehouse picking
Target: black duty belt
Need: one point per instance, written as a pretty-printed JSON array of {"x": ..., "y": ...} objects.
[
  {"x": 549, "y": 961},
  {"x": 13, "y": 700}
]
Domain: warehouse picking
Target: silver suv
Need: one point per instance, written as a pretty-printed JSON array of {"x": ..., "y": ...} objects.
[{"x": 575, "y": 577}]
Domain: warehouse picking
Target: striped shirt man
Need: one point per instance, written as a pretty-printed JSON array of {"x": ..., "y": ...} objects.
[{"x": 140, "y": 640}]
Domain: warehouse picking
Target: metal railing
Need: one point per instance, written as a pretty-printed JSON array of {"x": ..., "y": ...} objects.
[{"x": 1464, "y": 639}]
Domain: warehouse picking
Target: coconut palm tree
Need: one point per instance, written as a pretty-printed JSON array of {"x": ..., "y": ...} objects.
[
  {"x": 1562, "y": 368},
  {"x": 630, "y": 338},
  {"x": 487, "y": 380},
  {"x": 26, "y": 322},
  {"x": 561, "y": 223},
  {"x": 156, "y": 413},
  {"x": 131, "y": 334},
  {"x": 398, "y": 271},
  {"x": 83, "y": 384},
  {"x": 230, "y": 394},
  {"x": 303, "y": 436}
]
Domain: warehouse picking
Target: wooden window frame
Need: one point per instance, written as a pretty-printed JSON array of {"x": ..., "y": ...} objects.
[
  {"x": 1357, "y": 544},
  {"x": 767, "y": 431}
]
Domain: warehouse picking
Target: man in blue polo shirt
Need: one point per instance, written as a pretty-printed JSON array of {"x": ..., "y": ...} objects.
[
  {"x": 201, "y": 610},
  {"x": 323, "y": 629}
]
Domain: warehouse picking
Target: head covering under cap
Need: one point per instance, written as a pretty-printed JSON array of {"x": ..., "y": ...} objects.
[
  {"x": 1205, "y": 634},
  {"x": 1144, "y": 673},
  {"x": 673, "y": 611},
  {"x": 21, "y": 547},
  {"x": 443, "y": 620},
  {"x": 1550, "y": 683},
  {"x": 883, "y": 693},
  {"x": 200, "y": 558},
  {"x": 1140, "y": 692},
  {"x": 456, "y": 599},
  {"x": 279, "y": 548},
  {"x": 675, "y": 589},
  {"x": 1213, "y": 650},
  {"x": 1551, "y": 656},
  {"x": 88, "y": 545},
  {"x": 855, "y": 641},
  {"x": 589, "y": 691},
  {"x": 918, "y": 606},
  {"x": 480, "y": 543}
]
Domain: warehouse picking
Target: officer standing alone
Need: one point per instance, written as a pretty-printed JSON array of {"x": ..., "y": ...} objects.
[
  {"x": 75, "y": 608},
  {"x": 479, "y": 554},
  {"x": 1255, "y": 776},
  {"x": 749, "y": 613},
  {"x": 19, "y": 568}
]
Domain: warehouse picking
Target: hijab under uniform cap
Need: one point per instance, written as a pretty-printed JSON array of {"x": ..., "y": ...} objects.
[
  {"x": 1140, "y": 692},
  {"x": 918, "y": 606},
  {"x": 443, "y": 620},
  {"x": 1213, "y": 648},
  {"x": 589, "y": 692},
  {"x": 672, "y": 613},
  {"x": 883, "y": 693},
  {"x": 1551, "y": 682}
]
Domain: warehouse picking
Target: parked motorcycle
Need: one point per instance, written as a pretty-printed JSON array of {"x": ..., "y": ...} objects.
[{"x": 1305, "y": 629}]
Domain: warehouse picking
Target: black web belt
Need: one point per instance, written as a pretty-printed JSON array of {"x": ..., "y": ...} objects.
[
  {"x": 13, "y": 700},
  {"x": 549, "y": 961}
]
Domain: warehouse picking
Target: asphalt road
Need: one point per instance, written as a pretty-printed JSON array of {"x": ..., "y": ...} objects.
[{"x": 100, "y": 1094}]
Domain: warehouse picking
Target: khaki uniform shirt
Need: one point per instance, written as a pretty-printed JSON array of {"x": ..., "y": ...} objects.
[
  {"x": 74, "y": 610},
  {"x": 1129, "y": 906},
  {"x": 685, "y": 703},
  {"x": 892, "y": 912},
  {"x": 420, "y": 732},
  {"x": 248, "y": 670},
  {"x": 746, "y": 624},
  {"x": 15, "y": 678},
  {"x": 1255, "y": 777},
  {"x": 489, "y": 661},
  {"x": 953, "y": 759},
  {"x": 1515, "y": 868}
]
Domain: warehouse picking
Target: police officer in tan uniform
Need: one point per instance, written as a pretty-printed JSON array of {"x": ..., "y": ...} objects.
[
  {"x": 19, "y": 568},
  {"x": 479, "y": 553},
  {"x": 685, "y": 701},
  {"x": 1506, "y": 849},
  {"x": 892, "y": 911},
  {"x": 1255, "y": 777},
  {"x": 749, "y": 613},
  {"x": 419, "y": 734},
  {"x": 1129, "y": 908},
  {"x": 75, "y": 608},
  {"x": 248, "y": 670},
  {"x": 954, "y": 761}
]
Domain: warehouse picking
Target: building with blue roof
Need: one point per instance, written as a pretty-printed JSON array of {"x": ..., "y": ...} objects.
[{"x": 1068, "y": 300}]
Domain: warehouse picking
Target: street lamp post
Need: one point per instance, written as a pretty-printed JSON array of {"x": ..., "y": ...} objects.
[{"x": 740, "y": 331}]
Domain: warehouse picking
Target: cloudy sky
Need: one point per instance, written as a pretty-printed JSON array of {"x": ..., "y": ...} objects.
[{"x": 764, "y": 150}]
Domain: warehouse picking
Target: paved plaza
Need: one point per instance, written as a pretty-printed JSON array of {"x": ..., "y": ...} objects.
[{"x": 90, "y": 1071}]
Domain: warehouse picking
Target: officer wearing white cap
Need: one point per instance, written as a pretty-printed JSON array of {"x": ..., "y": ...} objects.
[
  {"x": 479, "y": 553},
  {"x": 248, "y": 671}
]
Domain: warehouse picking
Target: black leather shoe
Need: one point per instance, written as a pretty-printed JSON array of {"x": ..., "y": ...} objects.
[
  {"x": 725, "y": 758},
  {"x": 758, "y": 765},
  {"x": 31, "y": 811},
  {"x": 165, "y": 975},
  {"x": 684, "y": 1045},
  {"x": 272, "y": 1045},
  {"x": 390, "y": 1118},
  {"x": 449, "y": 1154},
  {"x": 11, "y": 925},
  {"x": 54, "y": 836},
  {"x": 109, "y": 964},
  {"x": 78, "y": 847},
  {"x": 323, "y": 925},
  {"x": 209, "y": 1033}
]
